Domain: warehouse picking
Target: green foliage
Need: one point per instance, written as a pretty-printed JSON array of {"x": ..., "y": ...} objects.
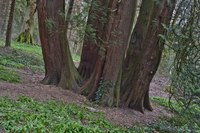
[
  {"x": 76, "y": 58},
  {"x": 181, "y": 121},
  {"x": 28, "y": 115},
  {"x": 183, "y": 43},
  {"x": 22, "y": 56},
  {"x": 49, "y": 24},
  {"x": 9, "y": 75},
  {"x": 103, "y": 89}
]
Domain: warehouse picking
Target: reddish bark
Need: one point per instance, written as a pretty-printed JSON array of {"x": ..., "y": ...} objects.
[
  {"x": 135, "y": 92},
  {"x": 49, "y": 18},
  {"x": 96, "y": 20},
  {"x": 115, "y": 40}
]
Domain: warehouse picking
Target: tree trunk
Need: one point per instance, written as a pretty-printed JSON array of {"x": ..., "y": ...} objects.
[
  {"x": 26, "y": 36},
  {"x": 69, "y": 12},
  {"x": 4, "y": 14},
  {"x": 96, "y": 21},
  {"x": 49, "y": 15},
  {"x": 144, "y": 54},
  {"x": 10, "y": 23},
  {"x": 70, "y": 77},
  {"x": 106, "y": 78},
  {"x": 59, "y": 66}
]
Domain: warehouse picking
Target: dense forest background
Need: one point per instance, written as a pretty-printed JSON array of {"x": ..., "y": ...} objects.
[{"x": 110, "y": 52}]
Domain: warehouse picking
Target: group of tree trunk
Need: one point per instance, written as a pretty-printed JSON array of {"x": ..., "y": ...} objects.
[
  {"x": 116, "y": 67},
  {"x": 118, "y": 64}
]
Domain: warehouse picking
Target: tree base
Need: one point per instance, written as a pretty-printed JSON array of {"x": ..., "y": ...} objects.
[{"x": 25, "y": 37}]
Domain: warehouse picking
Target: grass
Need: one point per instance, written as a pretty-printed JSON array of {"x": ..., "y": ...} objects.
[
  {"x": 24, "y": 56},
  {"x": 9, "y": 75},
  {"x": 28, "y": 115}
]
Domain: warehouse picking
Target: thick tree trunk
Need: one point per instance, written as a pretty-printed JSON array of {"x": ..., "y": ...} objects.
[
  {"x": 144, "y": 54},
  {"x": 26, "y": 35},
  {"x": 70, "y": 77},
  {"x": 96, "y": 21},
  {"x": 4, "y": 14},
  {"x": 49, "y": 15},
  {"x": 118, "y": 42},
  {"x": 10, "y": 23},
  {"x": 134, "y": 52},
  {"x": 115, "y": 40},
  {"x": 59, "y": 66}
]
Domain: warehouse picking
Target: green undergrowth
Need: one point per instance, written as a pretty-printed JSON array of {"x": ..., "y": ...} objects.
[
  {"x": 24, "y": 56},
  {"x": 9, "y": 75},
  {"x": 182, "y": 120},
  {"x": 28, "y": 115}
]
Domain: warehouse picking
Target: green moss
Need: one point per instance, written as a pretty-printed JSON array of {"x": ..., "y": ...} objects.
[
  {"x": 8, "y": 75},
  {"x": 25, "y": 37}
]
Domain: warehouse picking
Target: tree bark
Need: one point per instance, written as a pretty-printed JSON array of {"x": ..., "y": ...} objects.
[
  {"x": 26, "y": 36},
  {"x": 49, "y": 15},
  {"x": 96, "y": 21},
  {"x": 10, "y": 23},
  {"x": 59, "y": 66},
  {"x": 144, "y": 54},
  {"x": 4, "y": 15},
  {"x": 106, "y": 78}
]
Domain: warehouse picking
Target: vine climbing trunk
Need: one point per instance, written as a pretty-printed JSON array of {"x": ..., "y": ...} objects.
[
  {"x": 104, "y": 83},
  {"x": 26, "y": 35}
]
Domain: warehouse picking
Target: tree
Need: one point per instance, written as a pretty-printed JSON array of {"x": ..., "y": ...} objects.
[
  {"x": 144, "y": 53},
  {"x": 10, "y": 23},
  {"x": 93, "y": 37},
  {"x": 110, "y": 83},
  {"x": 118, "y": 76},
  {"x": 4, "y": 14},
  {"x": 26, "y": 35},
  {"x": 59, "y": 67},
  {"x": 104, "y": 83}
]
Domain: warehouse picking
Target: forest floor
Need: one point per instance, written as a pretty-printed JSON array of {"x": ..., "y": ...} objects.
[{"x": 30, "y": 86}]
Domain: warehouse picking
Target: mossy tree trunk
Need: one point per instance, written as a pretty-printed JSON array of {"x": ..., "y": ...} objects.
[
  {"x": 93, "y": 37},
  {"x": 104, "y": 83},
  {"x": 144, "y": 54},
  {"x": 59, "y": 66},
  {"x": 26, "y": 35},
  {"x": 70, "y": 77}
]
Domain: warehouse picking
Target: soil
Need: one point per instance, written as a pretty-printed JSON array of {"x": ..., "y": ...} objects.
[{"x": 30, "y": 86}]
